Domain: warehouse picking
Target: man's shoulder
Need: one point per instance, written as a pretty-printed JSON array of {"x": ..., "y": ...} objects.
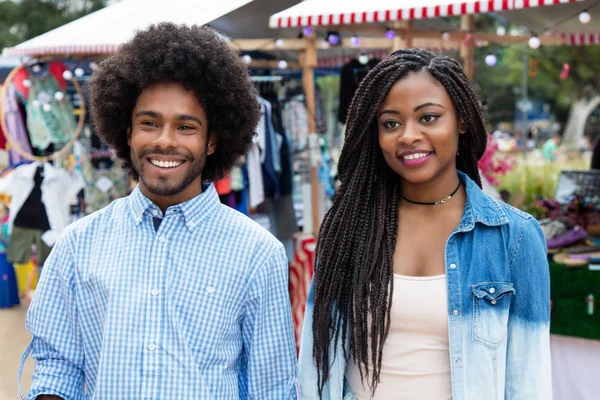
[
  {"x": 92, "y": 222},
  {"x": 238, "y": 225}
]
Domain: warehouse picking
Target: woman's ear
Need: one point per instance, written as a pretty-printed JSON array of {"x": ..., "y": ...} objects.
[{"x": 462, "y": 127}]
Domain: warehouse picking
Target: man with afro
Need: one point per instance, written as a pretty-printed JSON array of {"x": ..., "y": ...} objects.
[{"x": 167, "y": 294}]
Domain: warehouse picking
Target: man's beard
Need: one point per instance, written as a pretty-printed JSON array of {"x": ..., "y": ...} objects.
[{"x": 163, "y": 186}]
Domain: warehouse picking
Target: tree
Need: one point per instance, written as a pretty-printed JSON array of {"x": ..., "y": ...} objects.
[
  {"x": 26, "y": 19},
  {"x": 582, "y": 86}
]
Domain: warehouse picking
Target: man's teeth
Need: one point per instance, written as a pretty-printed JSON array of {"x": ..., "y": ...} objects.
[
  {"x": 415, "y": 156},
  {"x": 166, "y": 164}
]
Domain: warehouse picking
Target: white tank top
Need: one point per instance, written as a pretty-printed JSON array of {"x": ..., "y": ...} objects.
[{"x": 416, "y": 357}]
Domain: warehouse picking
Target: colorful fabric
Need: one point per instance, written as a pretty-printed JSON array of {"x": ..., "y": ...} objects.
[{"x": 54, "y": 125}]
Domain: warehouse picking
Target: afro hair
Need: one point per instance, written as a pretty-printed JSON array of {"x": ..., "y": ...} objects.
[{"x": 198, "y": 59}]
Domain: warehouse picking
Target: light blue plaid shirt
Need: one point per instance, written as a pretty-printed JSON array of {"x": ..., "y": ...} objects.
[{"x": 198, "y": 309}]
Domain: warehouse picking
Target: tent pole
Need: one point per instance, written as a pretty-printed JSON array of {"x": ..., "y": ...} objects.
[
  {"x": 308, "y": 60},
  {"x": 467, "y": 50}
]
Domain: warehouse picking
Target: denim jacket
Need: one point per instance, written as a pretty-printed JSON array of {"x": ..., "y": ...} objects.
[{"x": 498, "y": 309}]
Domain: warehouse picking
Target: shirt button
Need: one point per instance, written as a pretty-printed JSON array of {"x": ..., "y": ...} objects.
[
  {"x": 152, "y": 347},
  {"x": 138, "y": 220},
  {"x": 457, "y": 360},
  {"x": 455, "y": 312},
  {"x": 492, "y": 290},
  {"x": 493, "y": 301},
  {"x": 154, "y": 292},
  {"x": 453, "y": 266},
  {"x": 162, "y": 239},
  {"x": 210, "y": 289},
  {"x": 155, "y": 213},
  {"x": 192, "y": 224}
]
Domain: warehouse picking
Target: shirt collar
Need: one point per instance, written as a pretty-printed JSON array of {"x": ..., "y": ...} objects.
[
  {"x": 194, "y": 210},
  {"x": 480, "y": 207}
]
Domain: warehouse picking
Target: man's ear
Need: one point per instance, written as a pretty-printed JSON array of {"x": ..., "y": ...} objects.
[{"x": 212, "y": 144}]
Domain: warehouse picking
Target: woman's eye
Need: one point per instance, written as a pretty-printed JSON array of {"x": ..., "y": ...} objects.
[
  {"x": 429, "y": 118},
  {"x": 391, "y": 124}
]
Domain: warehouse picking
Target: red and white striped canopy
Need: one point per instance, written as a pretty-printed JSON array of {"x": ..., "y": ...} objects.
[
  {"x": 348, "y": 12},
  {"x": 580, "y": 39}
]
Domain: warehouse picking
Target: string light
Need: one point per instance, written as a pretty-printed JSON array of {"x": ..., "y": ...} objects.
[
  {"x": 282, "y": 64},
  {"x": 333, "y": 39},
  {"x": 279, "y": 43},
  {"x": 67, "y": 75},
  {"x": 324, "y": 44},
  {"x": 79, "y": 72},
  {"x": 307, "y": 31},
  {"x": 390, "y": 34},
  {"x": 490, "y": 60},
  {"x": 585, "y": 17},
  {"x": 355, "y": 41},
  {"x": 445, "y": 36},
  {"x": 534, "y": 42},
  {"x": 363, "y": 59},
  {"x": 247, "y": 59}
]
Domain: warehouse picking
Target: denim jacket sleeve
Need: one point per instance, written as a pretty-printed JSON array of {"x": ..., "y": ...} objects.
[
  {"x": 528, "y": 372},
  {"x": 307, "y": 370}
]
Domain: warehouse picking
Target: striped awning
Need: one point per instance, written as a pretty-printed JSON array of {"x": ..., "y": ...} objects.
[{"x": 348, "y": 12}]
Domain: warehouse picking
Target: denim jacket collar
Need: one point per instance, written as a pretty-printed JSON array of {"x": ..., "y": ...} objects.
[{"x": 479, "y": 207}]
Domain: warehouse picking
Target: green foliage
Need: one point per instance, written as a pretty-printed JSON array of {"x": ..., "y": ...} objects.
[
  {"x": 26, "y": 19},
  {"x": 536, "y": 179}
]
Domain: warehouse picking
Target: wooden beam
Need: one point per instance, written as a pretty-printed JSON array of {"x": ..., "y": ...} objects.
[
  {"x": 272, "y": 64},
  {"x": 266, "y": 44}
]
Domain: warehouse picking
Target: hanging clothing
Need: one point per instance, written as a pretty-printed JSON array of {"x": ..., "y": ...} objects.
[
  {"x": 223, "y": 186},
  {"x": 271, "y": 154},
  {"x": 21, "y": 242},
  {"x": 9, "y": 290},
  {"x": 15, "y": 124},
  {"x": 256, "y": 190},
  {"x": 58, "y": 188},
  {"x": 56, "y": 124},
  {"x": 103, "y": 185},
  {"x": 351, "y": 76},
  {"x": 295, "y": 121},
  {"x": 32, "y": 214}
]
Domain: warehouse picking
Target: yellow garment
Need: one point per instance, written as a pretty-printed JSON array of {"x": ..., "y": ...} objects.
[{"x": 23, "y": 272}]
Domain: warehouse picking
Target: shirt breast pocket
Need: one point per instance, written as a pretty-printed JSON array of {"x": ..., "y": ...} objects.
[
  {"x": 202, "y": 316},
  {"x": 491, "y": 305}
]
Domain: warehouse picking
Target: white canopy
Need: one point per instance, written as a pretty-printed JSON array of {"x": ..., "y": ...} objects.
[{"x": 105, "y": 30}]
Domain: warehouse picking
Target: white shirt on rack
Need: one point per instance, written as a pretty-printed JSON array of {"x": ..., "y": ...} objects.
[{"x": 58, "y": 189}]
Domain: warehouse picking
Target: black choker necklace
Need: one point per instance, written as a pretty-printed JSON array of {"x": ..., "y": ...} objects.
[{"x": 442, "y": 201}]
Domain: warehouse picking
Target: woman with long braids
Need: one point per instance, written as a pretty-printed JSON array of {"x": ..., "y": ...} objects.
[{"x": 425, "y": 287}]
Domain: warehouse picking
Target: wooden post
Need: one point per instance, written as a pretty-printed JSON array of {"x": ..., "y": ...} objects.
[
  {"x": 403, "y": 41},
  {"x": 408, "y": 35},
  {"x": 467, "y": 52},
  {"x": 308, "y": 60}
]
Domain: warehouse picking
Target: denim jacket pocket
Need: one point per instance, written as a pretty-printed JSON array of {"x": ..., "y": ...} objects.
[{"x": 491, "y": 305}]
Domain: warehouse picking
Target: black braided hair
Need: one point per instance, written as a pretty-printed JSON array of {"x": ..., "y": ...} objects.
[{"x": 354, "y": 277}]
